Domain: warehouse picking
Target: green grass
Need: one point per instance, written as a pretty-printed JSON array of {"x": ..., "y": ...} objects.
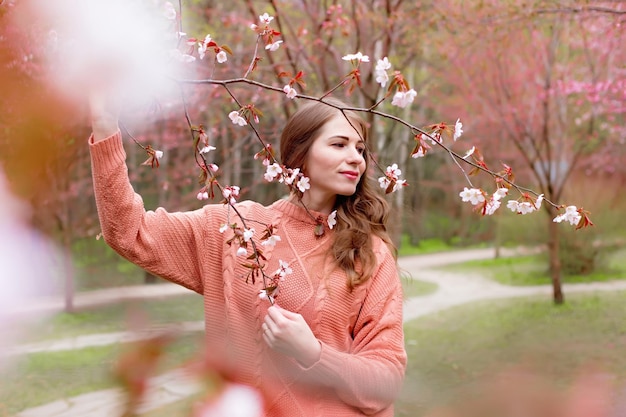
[
  {"x": 115, "y": 317},
  {"x": 425, "y": 246},
  {"x": 44, "y": 377},
  {"x": 449, "y": 352},
  {"x": 417, "y": 288},
  {"x": 532, "y": 270},
  {"x": 452, "y": 351}
]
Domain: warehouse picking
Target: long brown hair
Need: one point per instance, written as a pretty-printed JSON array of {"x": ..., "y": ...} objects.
[{"x": 360, "y": 215}]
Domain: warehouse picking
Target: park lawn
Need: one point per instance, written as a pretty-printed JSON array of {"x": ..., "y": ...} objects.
[
  {"x": 40, "y": 378},
  {"x": 416, "y": 288},
  {"x": 115, "y": 317},
  {"x": 532, "y": 270},
  {"x": 452, "y": 352}
]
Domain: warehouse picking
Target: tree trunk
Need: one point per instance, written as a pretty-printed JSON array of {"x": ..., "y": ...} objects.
[
  {"x": 555, "y": 261},
  {"x": 68, "y": 272}
]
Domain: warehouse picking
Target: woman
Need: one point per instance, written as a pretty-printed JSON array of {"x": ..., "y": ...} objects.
[{"x": 332, "y": 345}]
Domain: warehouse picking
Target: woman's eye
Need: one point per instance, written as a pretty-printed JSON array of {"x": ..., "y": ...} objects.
[
  {"x": 339, "y": 145},
  {"x": 361, "y": 150}
]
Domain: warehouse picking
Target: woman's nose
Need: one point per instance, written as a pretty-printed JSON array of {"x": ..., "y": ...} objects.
[{"x": 355, "y": 156}]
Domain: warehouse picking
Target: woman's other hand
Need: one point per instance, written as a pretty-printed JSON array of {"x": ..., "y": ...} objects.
[
  {"x": 288, "y": 333},
  {"x": 104, "y": 112}
]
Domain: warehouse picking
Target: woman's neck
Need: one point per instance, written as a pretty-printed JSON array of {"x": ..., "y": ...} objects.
[{"x": 324, "y": 206}]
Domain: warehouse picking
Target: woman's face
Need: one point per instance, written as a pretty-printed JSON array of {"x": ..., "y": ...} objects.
[{"x": 334, "y": 164}]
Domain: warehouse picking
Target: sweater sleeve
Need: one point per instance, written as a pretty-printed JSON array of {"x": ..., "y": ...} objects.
[
  {"x": 370, "y": 376},
  {"x": 165, "y": 244}
]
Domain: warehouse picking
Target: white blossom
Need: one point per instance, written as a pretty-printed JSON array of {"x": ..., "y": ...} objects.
[
  {"x": 332, "y": 219},
  {"x": 492, "y": 205},
  {"x": 303, "y": 184},
  {"x": 236, "y": 118},
  {"x": 571, "y": 216},
  {"x": 273, "y": 46},
  {"x": 271, "y": 241},
  {"x": 500, "y": 193},
  {"x": 403, "y": 98},
  {"x": 221, "y": 57},
  {"x": 382, "y": 65},
  {"x": 247, "y": 234},
  {"x": 458, "y": 129},
  {"x": 272, "y": 172},
  {"x": 474, "y": 195},
  {"x": 358, "y": 56},
  {"x": 207, "y": 149},
  {"x": 538, "y": 201},
  {"x": 242, "y": 251},
  {"x": 290, "y": 91},
  {"x": 469, "y": 153}
]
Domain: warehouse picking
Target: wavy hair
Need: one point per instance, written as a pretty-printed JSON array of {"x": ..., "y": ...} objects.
[{"x": 360, "y": 215}]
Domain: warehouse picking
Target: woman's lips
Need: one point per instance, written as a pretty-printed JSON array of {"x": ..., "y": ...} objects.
[{"x": 353, "y": 175}]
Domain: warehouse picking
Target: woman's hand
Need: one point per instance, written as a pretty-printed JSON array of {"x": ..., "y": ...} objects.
[
  {"x": 104, "y": 112},
  {"x": 288, "y": 333}
]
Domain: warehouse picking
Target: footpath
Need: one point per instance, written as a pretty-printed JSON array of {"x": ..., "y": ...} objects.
[{"x": 452, "y": 289}]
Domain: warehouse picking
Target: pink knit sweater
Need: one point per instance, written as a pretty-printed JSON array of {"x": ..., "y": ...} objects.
[{"x": 362, "y": 361}]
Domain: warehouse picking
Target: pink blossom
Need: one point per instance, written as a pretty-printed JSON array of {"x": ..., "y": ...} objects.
[
  {"x": 398, "y": 185},
  {"x": 213, "y": 167},
  {"x": 202, "y": 195},
  {"x": 265, "y": 18},
  {"x": 242, "y": 251},
  {"x": 283, "y": 269},
  {"x": 158, "y": 154},
  {"x": 393, "y": 171},
  {"x": 293, "y": 176},
  {"x": 419, "y": 154},
  {"x": 290, "y": 91},
  {"x": 403, "y": 98},
  {"x": 230, "y": 193}
]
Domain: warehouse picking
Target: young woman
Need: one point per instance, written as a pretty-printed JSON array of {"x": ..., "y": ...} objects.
[{"x": 332, "y": 345}]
